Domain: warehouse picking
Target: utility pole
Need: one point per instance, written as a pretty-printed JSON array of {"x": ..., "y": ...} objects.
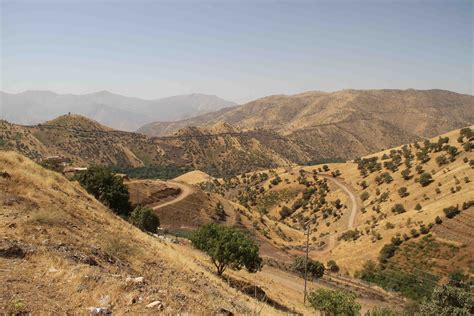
[{"x": 306, "y": 263}]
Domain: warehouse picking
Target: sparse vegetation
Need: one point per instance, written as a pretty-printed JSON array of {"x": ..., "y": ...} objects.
[{"x": 451, "y": 211}]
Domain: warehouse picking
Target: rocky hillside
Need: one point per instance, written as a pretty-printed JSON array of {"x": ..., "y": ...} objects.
[
  {"x": 346, "y": 123},
  {"x": 61, "y": 251},
  {"x": 219, "y": 149}
]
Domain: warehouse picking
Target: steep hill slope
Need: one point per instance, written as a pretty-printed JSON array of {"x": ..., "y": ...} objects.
[
  {"x": 117, "y": 111},
  {"x": 346, "y": 123},
  {"x": 218, "y": 150},
  {"x": 61, "y": 251}
]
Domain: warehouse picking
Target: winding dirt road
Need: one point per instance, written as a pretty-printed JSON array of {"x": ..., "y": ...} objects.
[
  {"x": 353, "y": 204},
  {"x": 185, "y": 192}
]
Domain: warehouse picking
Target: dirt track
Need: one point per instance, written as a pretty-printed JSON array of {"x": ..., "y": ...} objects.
[
  {"x": 185, "y": 192},
  {"x": 353, "y": 204}
]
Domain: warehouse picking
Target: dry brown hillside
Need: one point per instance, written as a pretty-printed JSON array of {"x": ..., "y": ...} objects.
[
  {"x": 61, "y": 251},
  {"x": 355, "y": 208},
  {"x": 346, "y": 123},
  {"x": 219, "y": 149}
]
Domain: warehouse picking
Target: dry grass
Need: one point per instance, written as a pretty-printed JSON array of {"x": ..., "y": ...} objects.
[
  {"x": 79, "y": 254},
  {"x": 46, "y": 217}
]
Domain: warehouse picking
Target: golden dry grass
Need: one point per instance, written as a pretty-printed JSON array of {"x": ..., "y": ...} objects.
[{"x": 79, "y": 254}]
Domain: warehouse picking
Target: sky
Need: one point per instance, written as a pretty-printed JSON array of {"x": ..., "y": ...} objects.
[{"x": 237, "y": 50}]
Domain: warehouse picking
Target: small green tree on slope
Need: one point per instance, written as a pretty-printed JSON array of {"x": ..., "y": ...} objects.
[
  {"x": 227, "y": 247},
  {"x": 107, "y": 188},
  {"x": 145, "y": 219},
  {"x": 315, "y": 268},
  {"x": 336, "y": 302}
]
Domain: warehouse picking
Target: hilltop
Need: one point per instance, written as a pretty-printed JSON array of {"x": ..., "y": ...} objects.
[
  {"x": 219, "y": 150},
  {"x": 193, "y": 177},
  {"x": 343, "y": 124}
]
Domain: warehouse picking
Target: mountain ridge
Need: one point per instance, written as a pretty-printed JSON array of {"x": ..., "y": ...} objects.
[
  {"x": 345, "y": 124},
  {"x": 118, "y": 111}
]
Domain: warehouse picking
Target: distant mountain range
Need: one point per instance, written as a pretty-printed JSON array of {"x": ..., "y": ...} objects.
[
  {"x": 117, "y": 111},
  {"x": 345, "y": 124},
  {"x": 270, "y": 132}
]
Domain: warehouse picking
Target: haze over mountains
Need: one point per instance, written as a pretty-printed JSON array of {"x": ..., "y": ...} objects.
[{"x": 117, "y": 111}]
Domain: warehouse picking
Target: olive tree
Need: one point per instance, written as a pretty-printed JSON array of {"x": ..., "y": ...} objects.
[
  {"x": 315, "y": 269},
  {"x": 227, "y": 247}
]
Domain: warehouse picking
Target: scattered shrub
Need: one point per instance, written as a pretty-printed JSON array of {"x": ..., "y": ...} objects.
[
  {"x": 398, "y": 208},
  {"x": 145, "y": 219},
  {"x": 451, "y": 211},
  {"x": 315, "y": 269},
  {"x": 332, "y": 266},
  {"x": 425, "y": 179},
  {"x": 403, "y": 192}
]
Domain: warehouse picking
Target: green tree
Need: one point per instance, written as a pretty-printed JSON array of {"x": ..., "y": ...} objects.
[
  {"x": 406, "y": 174},
  {"x": 315, "y": 268},
  {"x": 364, "y": 196},
  {"x": 451, "y": 211},
  {"x": 332, "y": 266},
  {"x": 383, "y": 311},
  {"x": 387, "y": 251},
  {"x": 334, "y": 302},
  {"x": 107, "y": 188},
  {"x": 425, "y": 179},
  {"x": 145, "y": 219},
  {"x": 448, "y": 300},
  {"x": 398, "y": 208},
  {"x": 227, "y": 247},
  {"x": 403, "y": 192}
]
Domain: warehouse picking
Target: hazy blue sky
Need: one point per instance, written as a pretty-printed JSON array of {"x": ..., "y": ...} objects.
[{"x": 235, "y": 49}]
